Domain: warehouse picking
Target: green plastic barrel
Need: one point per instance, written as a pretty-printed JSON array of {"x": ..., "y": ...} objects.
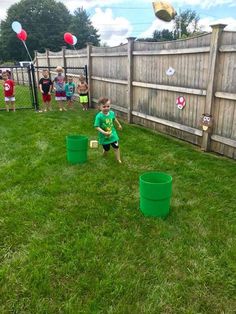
[
  {"x": 77, "y": 149},
  {"x": 155, "y": 194}
]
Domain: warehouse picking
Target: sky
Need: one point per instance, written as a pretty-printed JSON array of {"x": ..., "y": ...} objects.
[{"x": 116, "y": 20}]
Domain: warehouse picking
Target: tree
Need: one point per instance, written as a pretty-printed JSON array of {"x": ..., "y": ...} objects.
[
  {"x": 45, "y": 21},
  {"x": 186, "y": 24},
  {"x": 164, "y": 35},
  {"x": 82, "y": 28}
]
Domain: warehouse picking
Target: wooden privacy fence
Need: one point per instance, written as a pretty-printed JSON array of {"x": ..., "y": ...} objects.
[{"x": 136, "y": 79}]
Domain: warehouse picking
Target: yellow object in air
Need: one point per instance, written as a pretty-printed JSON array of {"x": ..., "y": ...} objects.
[{"x": 164, "y": 11}]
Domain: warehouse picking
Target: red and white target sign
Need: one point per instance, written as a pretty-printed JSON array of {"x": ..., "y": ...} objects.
[{"x": 180, "y": 102}]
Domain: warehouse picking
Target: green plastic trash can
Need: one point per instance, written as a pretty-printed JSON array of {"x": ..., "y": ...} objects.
[
  {"x": 77, "y": 149},
  {"x": 155, "y": 194}
]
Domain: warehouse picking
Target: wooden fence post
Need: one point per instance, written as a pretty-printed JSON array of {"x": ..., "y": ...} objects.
[
  {"x": 64, "y": 60},
  {"x": 18, "y": 82},
  {"x": 89, "y": 68},
  {"x": 36, "y": 63},
  {"x": 214, "y": 48},
  {"x": 130, "y": 77},
  {"x": 48, "y": 61}
]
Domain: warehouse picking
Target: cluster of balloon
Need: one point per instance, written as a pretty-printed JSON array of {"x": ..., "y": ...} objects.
[
  {"x": 70, "y": 39},
  {"x": 164, "y": 11},
  {"x": 21, "y": 34}
]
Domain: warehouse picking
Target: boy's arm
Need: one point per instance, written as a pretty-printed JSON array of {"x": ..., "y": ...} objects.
[
  {"x": 40, "y": 88},
  {"x": 118, "y": 124},
  {"x": 50, "y": 87},
  {"x": 54, "y": 85},
  {"x": 13, "y": 88},
  {"x": 98, "y": 128},
  {"x": 102, "y": 131}
]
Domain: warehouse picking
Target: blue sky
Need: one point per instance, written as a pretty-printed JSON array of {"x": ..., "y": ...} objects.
[{"x": 118, "y": 19}]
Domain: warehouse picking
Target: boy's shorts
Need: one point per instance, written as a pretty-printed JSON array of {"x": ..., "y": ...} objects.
[
  {"x": 106, "y": 147},
  {"x": 69, "y": 97},
  {"x": 46, "y": 97},
  {"x": 60, "y": 96},
  {"x": 83, "y": 99},
  {"x": 12, "y": 98}
]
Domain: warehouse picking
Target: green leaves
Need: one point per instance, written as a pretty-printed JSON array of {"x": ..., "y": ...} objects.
[{"x": 45, "y": 22}]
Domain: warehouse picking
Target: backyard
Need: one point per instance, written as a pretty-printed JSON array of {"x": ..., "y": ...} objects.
[{"x": 73, "y": 239}]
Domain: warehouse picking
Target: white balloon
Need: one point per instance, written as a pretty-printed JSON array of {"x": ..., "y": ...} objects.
[
  {"x": 16, "y": 26},
  {"x": 74, "y": 40}
]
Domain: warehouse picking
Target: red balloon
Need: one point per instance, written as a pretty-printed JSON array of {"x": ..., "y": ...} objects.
[
  {"x": 22, "y": 35},
  {"x": 68, "y": 37}
]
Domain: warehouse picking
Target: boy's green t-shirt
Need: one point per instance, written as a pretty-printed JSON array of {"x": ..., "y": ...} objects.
[{"x": 105, "y": 122}]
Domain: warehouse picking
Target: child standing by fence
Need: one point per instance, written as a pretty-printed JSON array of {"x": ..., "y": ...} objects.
[
  {"x": 104, "y": 123},
  {"x": 9, "y": 91},
  {"x": 59, "y": 87},
  {"x": 83, "y": 92},
  {"x": 45, "y": 86},
  {"x": 70, "y": 91}
]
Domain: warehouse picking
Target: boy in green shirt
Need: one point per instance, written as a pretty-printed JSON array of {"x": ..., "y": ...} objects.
[{"x": 104, "y": 123}]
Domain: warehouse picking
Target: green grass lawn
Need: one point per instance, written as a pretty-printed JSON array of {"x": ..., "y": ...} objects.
[{"x": 73, "y": 239}]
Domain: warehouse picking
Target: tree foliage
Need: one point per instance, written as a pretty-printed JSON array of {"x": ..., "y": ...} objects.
[
  {"x": 186, "y": 24},
  {"x": 163, "y": 35},
  {"x": 83, "y": 29},
  {"x": 45, "y": 22}
]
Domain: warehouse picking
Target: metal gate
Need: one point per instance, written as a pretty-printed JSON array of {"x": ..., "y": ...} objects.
[
  {"x": 26, "y": 83},
  {"x": 23, "y": 78},
  {"x": 75, "y": 72}
]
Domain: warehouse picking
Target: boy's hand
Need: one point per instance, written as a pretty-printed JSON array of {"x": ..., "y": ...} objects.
[
  {"x": 119, "y": 127},
  {"x": 107, "y": 133}
]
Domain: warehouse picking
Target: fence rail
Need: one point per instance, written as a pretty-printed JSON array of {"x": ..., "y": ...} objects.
[{"x": 135, "y": 77}]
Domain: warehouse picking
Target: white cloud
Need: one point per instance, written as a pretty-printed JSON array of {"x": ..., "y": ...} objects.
[
  {"x": 113, "y": 30},
  {"x": 2, "y": 14},
  {"x": 206, "y": 22},
  {"x": 156, "y": 25},
  {"x": 5, "y": 4}
]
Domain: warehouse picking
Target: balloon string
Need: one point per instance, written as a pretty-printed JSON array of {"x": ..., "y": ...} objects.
[{"x": 27, "y": 50}]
